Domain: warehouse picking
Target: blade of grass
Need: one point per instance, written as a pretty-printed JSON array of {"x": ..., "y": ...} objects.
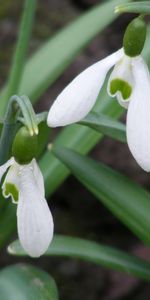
[
  {"x": 21, "y": 50},
  {"x": 142, "y": 7},
  {"x": 106, "y": 125},
  {"x": 126, "y": 199},
  {"x": 93, "y": 252}
]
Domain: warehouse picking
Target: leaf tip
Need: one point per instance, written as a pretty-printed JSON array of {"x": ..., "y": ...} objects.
[{"x": 10, "y": 249}]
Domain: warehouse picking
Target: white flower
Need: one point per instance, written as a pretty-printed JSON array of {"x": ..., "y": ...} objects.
[
  {"x": 25, "y": 185},
  {"x": 129, "y": 82},
  {"x": 78, "y": 98},
  {"x": 138, "y": 115}
]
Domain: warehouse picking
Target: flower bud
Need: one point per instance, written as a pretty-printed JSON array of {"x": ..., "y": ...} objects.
[
  {"x": 134, "y": 37},
  {"x": 24, "y": 147}
]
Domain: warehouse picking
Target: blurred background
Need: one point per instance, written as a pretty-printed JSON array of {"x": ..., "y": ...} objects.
[{"x": 76, "y": 212}]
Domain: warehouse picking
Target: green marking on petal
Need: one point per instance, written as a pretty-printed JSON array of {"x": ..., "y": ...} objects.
[
  {"x": 122, "y": 86},
  {"x": 11, "y": 190}
]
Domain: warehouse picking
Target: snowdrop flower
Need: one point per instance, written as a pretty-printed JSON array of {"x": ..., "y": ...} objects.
[
  {"x": 25, "y": 185},
  {"x": 129, "y": 82},
  {"x": 78, "y": 98}
]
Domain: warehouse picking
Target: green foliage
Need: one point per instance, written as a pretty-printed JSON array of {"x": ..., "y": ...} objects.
[
  {"x": 127, "y": 200},
  {"x": 106, "y": 125},
  {"x": 26, "y": 282},
  {"x": 93, "y": 252},
  {"x": 38, "y": 75},
  {"x": 136, "y": 7},
  {"x": 43, "y": 138}
]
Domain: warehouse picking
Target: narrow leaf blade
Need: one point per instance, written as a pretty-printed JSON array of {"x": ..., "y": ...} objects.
[
  {"x": 142, "y": 7},
  {"x": 106, "y": 125},
  {"x": 93, "y": 252},
  {"x": 127, "y": 200}
]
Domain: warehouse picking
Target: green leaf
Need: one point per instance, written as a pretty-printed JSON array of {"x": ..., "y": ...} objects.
[
  {"x": 43, "y": 137},
  {"x": 7, "y": 219},
  {"x": 136, "y": 7},
  {"x": 47, "y": 64},
  {"x": 21, "y": 48},
  {"x": 127, "y": 200},
  {"x": 26, "y": 282},
  {"x": 96, "y": 253},
  {"x": 106, "y": 125}
]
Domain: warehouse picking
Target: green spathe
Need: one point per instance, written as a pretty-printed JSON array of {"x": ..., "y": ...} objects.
[
  {"x": 24, "y": 147},
  {"x": 122, "y": 86},
  {"x": 134, "y": 37}
]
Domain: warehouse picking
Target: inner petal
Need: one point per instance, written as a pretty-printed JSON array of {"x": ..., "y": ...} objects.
[
  {"x": 122, "y": 86},
  {"x": 121, "y": 81},
  {"x": 10, "y": 187},
  {"x": 10, "y": 190}
]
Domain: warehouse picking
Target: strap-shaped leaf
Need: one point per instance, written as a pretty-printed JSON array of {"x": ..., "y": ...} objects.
[
  {"x": 106, "y": 125},
  {"x": 142, "y": 7},
  {"x": 43, "y": 137},
  {"x": 96, "y": 253},
  {"x": 127, "y": 200},
  {"x": 26, "y": 282},
  {"x": 47, "y": 64}
]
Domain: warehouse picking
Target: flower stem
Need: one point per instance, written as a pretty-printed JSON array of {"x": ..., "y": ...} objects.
[
  {"x": 21, "y": 49},
  {"x": 16, "y": 106},
  {"x": 8, "y": 132},
  {"x": 41, "y": 117}
]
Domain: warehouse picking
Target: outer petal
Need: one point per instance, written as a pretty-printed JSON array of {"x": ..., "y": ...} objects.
[
  {"x": 11, "y": 184},
  {"x": 35, "y": 223},
  {"x": 138, "y": 116},
  {"x": 38, "y": 176},
  {"x": 122, "y": 71},
  {"x": 78, "y": 98},
  {"x": 4, "y": 167}
]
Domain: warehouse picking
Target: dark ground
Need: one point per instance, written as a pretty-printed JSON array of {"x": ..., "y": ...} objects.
[{"x": 76, "y": 212}]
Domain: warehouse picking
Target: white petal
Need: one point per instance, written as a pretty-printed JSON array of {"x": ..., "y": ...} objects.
[
  {"x": 10, "y": 185},
  {"x": 5, "y": 166},
  {"x": 138, "y": 116},
  {"x": 38, "y": 176},
  {"x": 121, "y": 71},
  {"x": 34, "y": 219},
  {"x": 78, "y": 98}
]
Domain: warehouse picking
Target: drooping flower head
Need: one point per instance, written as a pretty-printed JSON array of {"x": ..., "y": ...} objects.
[
  {"x": 129, "y": 82},
  {"x": 25, "y": 185}
]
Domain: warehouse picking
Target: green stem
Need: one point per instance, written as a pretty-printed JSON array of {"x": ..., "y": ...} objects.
[
  {"x": 8, "y": 132},
  {"x": 21, "y": 49},
  {"x": 16, "y": 105},
  {"x": 41, "y": 117},
  {"x": 29, "y": 117},
  {"x": 31, "y": 113}
]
